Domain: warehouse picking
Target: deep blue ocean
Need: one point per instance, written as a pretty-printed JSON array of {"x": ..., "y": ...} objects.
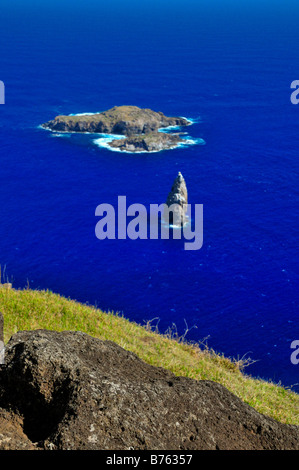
[{"x": 226, "y": 65}]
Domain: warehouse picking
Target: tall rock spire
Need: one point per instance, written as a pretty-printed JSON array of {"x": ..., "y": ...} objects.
[{"x": 178, "y": 196}]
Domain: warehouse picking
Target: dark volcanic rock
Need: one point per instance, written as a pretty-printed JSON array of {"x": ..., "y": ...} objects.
[
  {"x": 71, "y": 391},
  {"x": 152, "y": 142},
  {"x": 12, "y": 436},
  {"x": 178, "y": 196},
  {"x": 124, "y": 120},
  {"x": 1, "y": 327},
  {"x": 2, "y": 350}
]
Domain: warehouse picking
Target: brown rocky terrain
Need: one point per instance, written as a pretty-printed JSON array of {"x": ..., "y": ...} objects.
[
  {"x": 151, "y": 142},
  {"x": 123, "y": 120},
  {"x": 72, "y": 391},
  {"x": 140, "y": 126},
  {"x": 178, "y": 196}
]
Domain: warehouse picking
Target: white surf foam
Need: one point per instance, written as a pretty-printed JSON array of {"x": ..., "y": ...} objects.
[
  {"x": 191, "y": 141},
  {"x": 190, "y": 120},
  {"x": 105, "y": 139},
  {"x": 84, "y": 114}
]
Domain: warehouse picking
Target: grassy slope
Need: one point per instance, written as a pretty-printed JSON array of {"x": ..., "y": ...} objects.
[{"x": 29, "y": 310}]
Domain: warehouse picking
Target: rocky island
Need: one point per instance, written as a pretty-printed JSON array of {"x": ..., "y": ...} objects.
[
  {"x": 140, "y": 127},
  {"x": 151, "y": 142}
]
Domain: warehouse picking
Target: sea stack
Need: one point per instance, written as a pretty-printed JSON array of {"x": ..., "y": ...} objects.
[{"x": 178, "y": 196}]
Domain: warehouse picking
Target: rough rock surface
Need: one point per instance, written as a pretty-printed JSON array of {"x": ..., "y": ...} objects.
[
  {"x": 123, "y": 120},
  {"x": 178, "y": 196},
  {"x": 71, "y": 391},
  {"x": 1, "y": 327},
  {"x": 12, "y": 436},
  {"x": 2, "y": 350},
  {"x": 151, "y": 142}
]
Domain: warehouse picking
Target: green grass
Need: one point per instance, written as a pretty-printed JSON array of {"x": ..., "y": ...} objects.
[{"x": 29, "y": 310}]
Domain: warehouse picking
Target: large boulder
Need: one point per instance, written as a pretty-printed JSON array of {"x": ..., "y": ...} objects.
[
  {"x": 2, "y": 349},
  {"x": 71, "y": 391}
]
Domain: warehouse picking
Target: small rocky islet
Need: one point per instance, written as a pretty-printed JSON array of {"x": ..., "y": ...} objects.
[
  {"x": 141, "y": 128},
  {"x": 177, "y": 200}
]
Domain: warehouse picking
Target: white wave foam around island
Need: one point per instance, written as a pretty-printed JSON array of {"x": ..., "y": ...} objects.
[
  {"x": 190, "y": 120},
  {"x": 105, "y": 139},
  {"x": 176, "y": 128},
  {"x": 191, "y": 141},
  {"x": 58, "y": 134},
  {"x": 84, "y": 114},
  {"x": 176, "y": 227}
]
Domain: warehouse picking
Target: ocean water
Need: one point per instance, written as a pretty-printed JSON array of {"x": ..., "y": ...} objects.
[{"x": 227, "y": 66}]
